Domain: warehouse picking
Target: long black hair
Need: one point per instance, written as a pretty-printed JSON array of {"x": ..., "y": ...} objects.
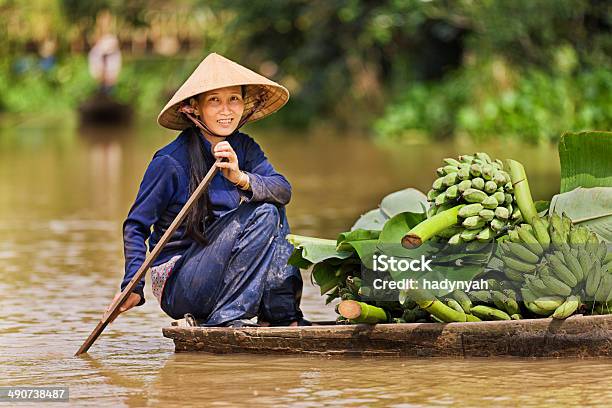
[{"x": 198, "y": 167}]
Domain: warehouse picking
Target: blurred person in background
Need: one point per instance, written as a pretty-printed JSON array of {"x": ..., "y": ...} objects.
[{"x": 105, "y": 62}]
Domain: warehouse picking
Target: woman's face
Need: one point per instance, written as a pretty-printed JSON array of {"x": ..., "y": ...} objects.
[{"x": 221, "y": 109}]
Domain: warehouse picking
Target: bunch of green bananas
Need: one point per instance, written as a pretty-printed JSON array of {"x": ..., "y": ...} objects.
[
  {"x": 558, "y": 265},
  {"x": 474, "y": 306},
  {"x": 485, "y": 188}
]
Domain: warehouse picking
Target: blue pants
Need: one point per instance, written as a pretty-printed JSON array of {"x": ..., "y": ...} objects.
[{"x": 242, "y": 272}]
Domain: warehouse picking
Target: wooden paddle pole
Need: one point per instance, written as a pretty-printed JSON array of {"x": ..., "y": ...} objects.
[{"x": 113, "y": 309}]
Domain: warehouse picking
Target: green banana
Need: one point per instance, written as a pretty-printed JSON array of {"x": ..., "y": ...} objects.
[
  {"x": 456, "y": 239},
  {"x": 601, "y": 251},
  {"x": 449, "y": 180},
  {"x": 480, "y": 296},
  {"x": 452, "y": 192},
  {"x": 499, "y": 179},
  {"x": 561, "y": 271},
  {"x": 549, "y": 303},
  {"x": 544, "y": 270},
  {"x": 487, "y": 172},
  {"x": 527, "y": 295},
  {"x": 565, "y": 251},
  {"x": 450, "y": 169},
  {"x": 555, "y": 222},
  {"x": 463, "y": 299},
  {"x": 585, "y": 261},
  {"x": 493, "y": 284},
  {"x": 485, "y": 235},
  {"x": 568, "y": 308},
  {"x": 536, "y": 310},
  {"x": 490, "y": 203},
  {"x": 498, "y": 225},
  {"x": 483, "y": 157},
  {"x": 463, "y": 174},
  {"x": 452, "y": 162},
  {"x": 567, "y": 223},
  {"x": 451, "y": 231},
  {"x": 440, "y": 199},
  {"x": 469, "y": 210},
  {"x": 537, "y": 286},
  {"x": 474, "y": 222},
  {"x": 528, "y": 238},
  {"x": 521, "y": 252},
  {"x": 478, "y": 183},
  {"x": 556, "y": 286},
  {"x": 593, "y": 278},
  {"x": 489, "y": 313},
  {"x": 464, "y": 185},
  {"x": 574, "y": 266},
  {"x": 578, "y": 236},
  {"x": 513, "y": 275},
  {"x": 490, "y": 187},
  {"x": 557, "y": 238},
  {"x": 500, "y": 197},
  {"x": 510, "y": 293},
  {"x": 518, "y": 265},
  {"x": 432, "y": 194},
  {"x": 453, "y": 304},
  {"x": 607, "y": 258},
  {"x": 514, "y": 236},
  {"x": 486, "y": 215},
  {"x": 541, "y": 233},
  {"x": 437, "y": 184},
  {"x": 502, "y": 213},
  {"x": 469, "y": 235},
  {"x": 609, "y": 297},
  {"x": 504, "y": 302},
  {"x": 605, "y": 286},
  {"x": 441, "y": 311},
  {"x": 516, "y": 316},
  {"x": 471, "y": 195},
  {"x": 475, "y": 170},
  {"x": 472, "y": 318}
]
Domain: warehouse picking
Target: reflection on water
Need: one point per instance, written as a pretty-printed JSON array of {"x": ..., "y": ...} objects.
[{"x": 63, "y": 197}]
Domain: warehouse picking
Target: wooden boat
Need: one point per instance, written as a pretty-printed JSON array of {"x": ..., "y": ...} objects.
[
  {"x": 578, "y": 336},
  {"x": 103, "y": 110}
]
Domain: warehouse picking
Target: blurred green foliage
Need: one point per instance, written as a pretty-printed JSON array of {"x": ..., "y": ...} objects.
[
  {"x": 523, "y": 68},
  {"x": 535, "y": 107},
  {"x": 520, "y": 68}
]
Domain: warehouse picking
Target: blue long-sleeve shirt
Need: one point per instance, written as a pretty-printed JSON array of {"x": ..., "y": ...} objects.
[{"x": 164, "y": 190}]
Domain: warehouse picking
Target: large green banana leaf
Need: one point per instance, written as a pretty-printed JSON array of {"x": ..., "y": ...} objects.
[
  {"x": 314, "y": 250},
  {"x": 586, "y": 180},
  {"x": 586, "y": 160},
  {"x": 591, "y": 207},
  {"x": 407, "y": 200}
]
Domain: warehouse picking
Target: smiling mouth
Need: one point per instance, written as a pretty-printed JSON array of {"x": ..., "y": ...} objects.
[{"x": 225, "y": 122}]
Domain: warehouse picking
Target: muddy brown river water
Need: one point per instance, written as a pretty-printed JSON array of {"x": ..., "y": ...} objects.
[{"x": 63, "y": 196}]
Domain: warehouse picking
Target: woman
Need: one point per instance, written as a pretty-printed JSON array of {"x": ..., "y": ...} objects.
[{"x": 228, "y": 261}]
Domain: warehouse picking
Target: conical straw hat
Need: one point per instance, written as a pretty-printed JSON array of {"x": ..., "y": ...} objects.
[{"x": 263, "y": 96}]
